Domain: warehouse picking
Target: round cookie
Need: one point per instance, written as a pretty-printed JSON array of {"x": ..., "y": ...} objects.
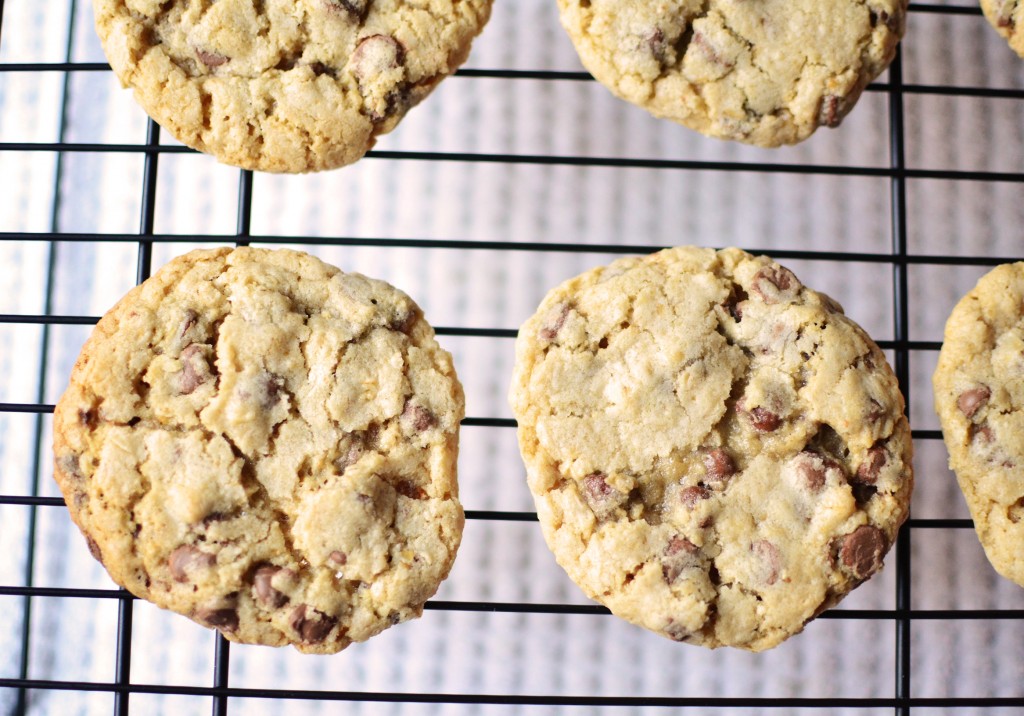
[
  {"x": 764, "y": 72},
  {"x": 1007, "y": 17},
  {"x": 267, "y": 445},
  {"x": 284, "y": 85},
  {"x": 715, "y": 451},
  {"x": 979, "y": 396}
]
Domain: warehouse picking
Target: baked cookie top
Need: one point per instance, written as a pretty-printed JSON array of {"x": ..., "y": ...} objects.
[
  {"x": 715, "y": 451},
  {"x": 979, "y": 396},
  {"x": 1007, "y": 17},
  {"x": 284, "y": 85},
  {"x": 765, "y": 72},
  {"x": 267, "y": 445}
]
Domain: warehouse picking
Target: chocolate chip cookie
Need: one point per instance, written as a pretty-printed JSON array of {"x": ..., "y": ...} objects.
[
  {"x": 715, "y": 451},
  {"x": 267, "y": 445},
  {"x": 1007, "y": 17},
  {"x": 767, "y": 73},
  {"x": 979, "y": 396},
  {"x": 284, "y": 85}
]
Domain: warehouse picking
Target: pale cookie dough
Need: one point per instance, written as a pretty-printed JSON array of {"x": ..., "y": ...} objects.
[
  {"x": 284, "y": 85},
  {"x": 1007, "y": 17},
  {"x": 979, "y": 396},
  {"x": 715, "y": 451},
  {"x": 765, "y": 72},
  {"x": 267, "y": 445}
]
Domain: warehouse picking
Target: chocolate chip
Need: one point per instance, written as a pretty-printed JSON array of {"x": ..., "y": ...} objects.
[
  {"x": 718, "y": 466},
  {"x": 770, "y": 558},
  {"x": 87, "y": 417},
  {"x": 690, "y": 496},
  {"x": 658, "y": 46},
  {"x": 211, "y": 59},
  {"x": 262, "y": 585},
  {"x": 707, "y": 49},
  {"x": 553, "y": 324},
  {"x": 319, "y": 68},
  {"x": 602, "y": 497},
  {"x": 830, "y": 115},
  {"x": 764, "y": 420},
  {"x": 862, "y": 551},
  {"x": 734, "y": 303},
  {"x": 194, "y": 369},
  {"x": 351, "y": 457},
  {"x": 356, "y": 8},
  {"x": 186, "y": 559},
  {"x": 417, "y": 418},
  {"x": 1015, "y": 512},
  {"x": 337, "y": 557},
  {"x": 973, "y": 400},
  {"x": 269, "y": 389},
  {"x": 679, "y": 554},
  {"x": 94, "y": 549},
  {"x": 225, "y": 618},
  {"x": 676, "y": 632},
  {"x": 868, "y": 470},
  {"x": 187, "y": 322},
  {"x": 410, "y": 489},
  {"x": 69, "y": 465},
  {"x": 394, "y": 618},
  {"x": 376, "y": 54},
  {"x": 812, "y": 469},
  {"x": 312, "y": 625},
  {"x": 775, "y": 284}
]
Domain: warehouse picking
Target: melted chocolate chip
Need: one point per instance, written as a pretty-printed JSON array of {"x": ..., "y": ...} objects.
[
  {"x": 868, "y": 470},
  {"x": 194, "y": 370},
  {"x": 94, "y": 549},
  {"x": 417, "y": 417},
  {"x": 408, "y": 488},
  {"x": 764, "y": 420},
  {"x": 770, "y": 558},
  {"x": 829, "y": 115},
  {"x": 775, "y": 284},
  {"x": 211, "y": 59},
  {"x": 679, "y": 554},
  {"x": 602, "y": 497},
  {"x": 356, "y": 8}
]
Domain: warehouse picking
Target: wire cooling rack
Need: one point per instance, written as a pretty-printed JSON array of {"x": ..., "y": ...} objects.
[{"x": 504, "y": 182}]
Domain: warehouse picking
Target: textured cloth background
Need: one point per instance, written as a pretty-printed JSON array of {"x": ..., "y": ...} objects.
[{"x": 482, "y": 653}]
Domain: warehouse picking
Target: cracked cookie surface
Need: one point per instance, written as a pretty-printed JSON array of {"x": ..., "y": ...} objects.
[
  {"x": 764, "y": 72},
  {"x": 979, "y": 396},
  {"x": 267, "y": 445},
  {"x": 1007, "y": 17},
  {"x": 715, "y": 451},
  {"x": 284, "y": 85}
]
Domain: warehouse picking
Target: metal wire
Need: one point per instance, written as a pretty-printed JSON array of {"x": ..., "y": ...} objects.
[{"x": 900, "y": 260}]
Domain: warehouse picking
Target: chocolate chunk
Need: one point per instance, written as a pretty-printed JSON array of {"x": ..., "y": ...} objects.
[
  {"x": 194, "y": 369},
  {"x": 775, "y": 284},
  {"x": 770, "y": 558},
  {"x": 554, "y": 322},
  {"x": 973, "y": 400},
  {"x": 186, "y": 559},
  {"x": 862, "y": 551},
  {"x": 417, "y": 418},
  {"x": 718, "y": 466},
  {"x": 690, "y": 496},
  {"x": 679, "y": 554},
  {"x": 262, "y": 585},
  {"x": 764, "y": 420},
  {"x": 868, "y": 470},
  {"x": 225, "y": 618},
  {"x": 312, "y": 625},
  {"x": 602, "y": 497},
  {"x": 211, "y": 59}
]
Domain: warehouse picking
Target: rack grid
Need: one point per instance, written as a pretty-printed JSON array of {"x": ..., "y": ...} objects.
[{"x": 220, "y": 692}]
